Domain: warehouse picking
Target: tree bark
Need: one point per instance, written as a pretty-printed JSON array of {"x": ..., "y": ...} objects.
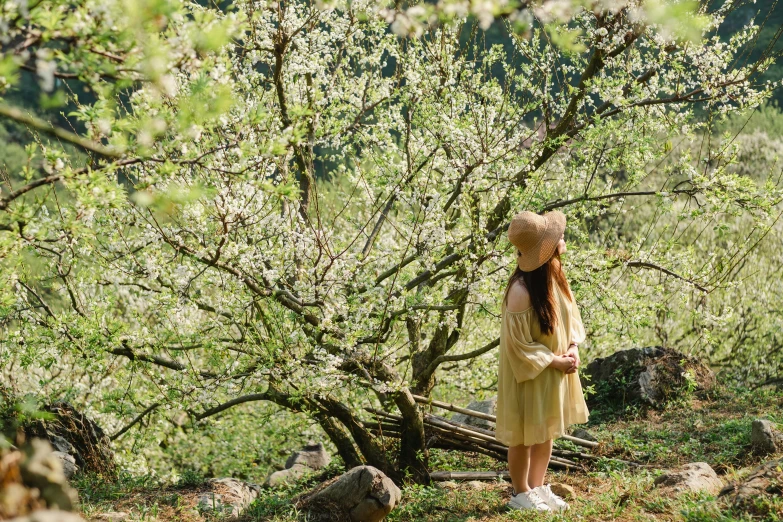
[
  {"x": 341, "y": 440},
  {"x": 414, "y": 455}
]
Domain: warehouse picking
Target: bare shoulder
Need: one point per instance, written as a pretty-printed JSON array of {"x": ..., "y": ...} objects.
[{"x": 518, "y": 298}]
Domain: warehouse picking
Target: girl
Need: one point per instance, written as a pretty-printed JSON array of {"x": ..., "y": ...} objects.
[{"x": 539, "y": 393}]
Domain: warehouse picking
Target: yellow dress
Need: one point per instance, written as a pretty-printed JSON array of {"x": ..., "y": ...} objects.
[{"x": 536, "y": 402}]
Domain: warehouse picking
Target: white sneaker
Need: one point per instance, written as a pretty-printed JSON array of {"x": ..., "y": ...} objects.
[
  {"x": 554, "y": 502},
  {"x": 528, "y": 500}
]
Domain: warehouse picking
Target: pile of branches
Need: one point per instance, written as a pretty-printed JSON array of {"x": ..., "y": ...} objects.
[{"x": 448, "y": 434}]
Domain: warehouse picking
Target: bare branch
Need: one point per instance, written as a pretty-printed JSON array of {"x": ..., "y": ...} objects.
[
  {"x": 134, "y": 421},
  {"x": 233, "y": 402}
]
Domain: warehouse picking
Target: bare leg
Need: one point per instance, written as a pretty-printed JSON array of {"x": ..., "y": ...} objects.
[
  {"x": 539, "y": 459},
  {"x": 518, "y": 465}
]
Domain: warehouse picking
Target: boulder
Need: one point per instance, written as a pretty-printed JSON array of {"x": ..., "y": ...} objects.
[
  {"x": 287, "y": 475},
  {"x": 72, "y": 433},
  {"x": 229, "y": 496},
  {"x": 652, "y": 376},
  {"x": 68, "y": 462},
  {"x": 314, "y": 456},
  {"x": 309, "y": 458},
  {"x": 363, "y": 494},
  {"x": 695, "y": 476},
  {"x": 764, "y": 481},
  {"x": 765, "y": 438},
  {"x": 489, "y": 406},
  {"x": 582, "y": 433}
]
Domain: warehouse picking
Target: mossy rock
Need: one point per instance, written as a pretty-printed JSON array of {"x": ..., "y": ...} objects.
[
  {"x": 650, "y": 376},
  {"x": 68, "y": 430}
]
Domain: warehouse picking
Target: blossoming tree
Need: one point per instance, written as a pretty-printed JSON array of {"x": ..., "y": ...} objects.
[{"x": 289, "y": 202}]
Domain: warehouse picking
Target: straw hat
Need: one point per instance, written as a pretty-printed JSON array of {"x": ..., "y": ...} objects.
[{"x": 536, "y": 237}]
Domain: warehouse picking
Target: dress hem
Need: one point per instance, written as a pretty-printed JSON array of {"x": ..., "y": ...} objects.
[{"x": 556, "y": 435}]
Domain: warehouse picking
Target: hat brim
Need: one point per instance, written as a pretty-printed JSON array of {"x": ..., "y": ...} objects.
[{"x": 534, "y": 258}]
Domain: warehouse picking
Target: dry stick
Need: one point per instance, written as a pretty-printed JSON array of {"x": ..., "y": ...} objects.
[
  {"x": 457, "y": 429},
  {"x": 492, "y": 418},
  {"x": 468, "y": 475},
  {"x": 461, "y": 436},
  {"x": 381, "y": 413},
  {"x": 451, "y": 407},
  {"x": 382, "y": 426},
  {"x": 452, "y": 444},
  {"x": 462, "y": 425}
]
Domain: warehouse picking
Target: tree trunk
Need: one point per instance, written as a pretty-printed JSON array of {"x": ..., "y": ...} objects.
[
  {"x": 341, "y": 440},
  {"x": 373, "y": 452},
  {"x": 414, "y": 456}
]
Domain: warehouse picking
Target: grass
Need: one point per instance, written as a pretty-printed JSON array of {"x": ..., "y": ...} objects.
[{"x": 712, "y": 428}]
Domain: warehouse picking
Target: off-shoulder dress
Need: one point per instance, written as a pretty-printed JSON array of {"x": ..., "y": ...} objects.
[{"x": 536, "y": 402}]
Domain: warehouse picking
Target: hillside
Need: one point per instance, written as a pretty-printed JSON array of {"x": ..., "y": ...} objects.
[{"x": 714, "y": 428}]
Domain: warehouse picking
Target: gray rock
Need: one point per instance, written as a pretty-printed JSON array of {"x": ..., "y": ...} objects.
[
  {"x": 581, "y": 433},
  {"x": 61, "y": 444},
  {"x": 49, "y": 515},
  {"x": 68, "y": 463},
  {"x": 291, "y": 474},
  {"x": 695, "y": 476},
  {"x": 234, "y": 496},
  {"x": 314, "y": 456},
  {"x": 364, "y": 493},
  {"x": 489, "y": 406},
  {"x": 229, "y": 497},
  {"x": 300, "y": 463},
  {"x": 763, "y": 482},
  {"x": 650, "y": 375},
  {"x": 764, "y": 438}
]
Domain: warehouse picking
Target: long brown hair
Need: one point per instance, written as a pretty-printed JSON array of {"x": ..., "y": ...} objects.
[{"x": 539, "y": 286}]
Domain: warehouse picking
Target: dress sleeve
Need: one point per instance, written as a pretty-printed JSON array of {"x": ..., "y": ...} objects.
[
  {"x": 577, "y": 334},
  {"x": 527, "y": 357}
]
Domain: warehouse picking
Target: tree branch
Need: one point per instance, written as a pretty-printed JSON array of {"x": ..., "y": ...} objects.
[
  {"x": 134, "y": 421},
  {"x": 233, "y": 402},
  {"x": 460, "y": 357},
  {"x": 19, "y": 116},
  {"x": 643, "y": 264}
]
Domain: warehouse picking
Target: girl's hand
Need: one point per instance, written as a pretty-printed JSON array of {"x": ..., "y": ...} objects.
[
  {"x": 563, "y": 362},
  {"x": 573, "y": 352}
]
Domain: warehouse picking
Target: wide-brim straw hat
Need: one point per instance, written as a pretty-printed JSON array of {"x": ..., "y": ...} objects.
[{"x": 536, "y": 237}]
